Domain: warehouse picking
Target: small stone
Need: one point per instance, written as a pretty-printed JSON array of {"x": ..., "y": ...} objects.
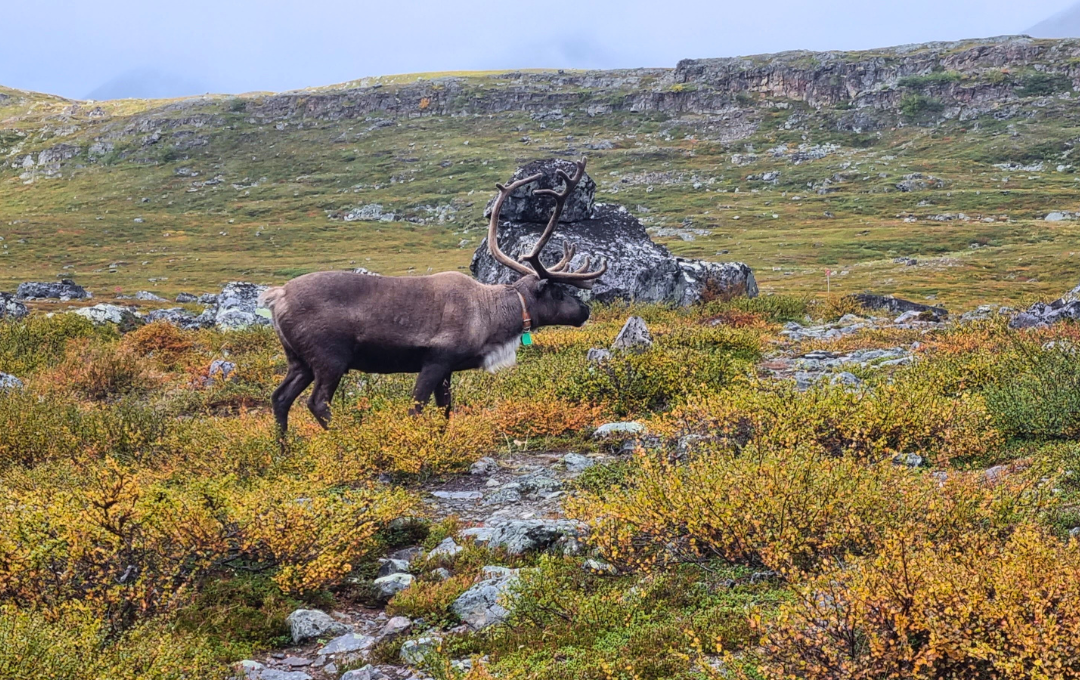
[
  {"x": 220, "y": 371},
  {"x": 458, "y": 495},
  {"x": 306, "y": 624},
  {"x": 274, "y": 674},
  {"x": 481, "y": 605},
  {"x": 442, "y": 573},
  {"x": 598, "y": 566},
  {"x": 350, "y": 642},
  {"x": 598, "y": 355},
  {"x": 609, "y": 429},
  {"x": 148, "y": 296},
  {"x": 484, "y": 466},
  {"x": 394, "y": 627},
  {"x": 414, "y": 652},
  {"x": 296, "y": 661},
  {"x": 368, "y": 672},
  {"x": 911, "y": 460},
  {"x": 446, "y": 548},
  {"x": 184, "y": 298},
  {"x": 392, "y": 566},
  {"x": 633, "y": 336},
  {"x": 9, "y": 383},
  {"x": 508, "y": 493},
  {"x": 391, "y": 585},
  {"x": 408, "y": 555},
  {"x": 575, "y": 462}
]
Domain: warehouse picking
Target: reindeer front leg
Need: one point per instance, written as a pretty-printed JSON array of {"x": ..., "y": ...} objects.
[
  {"x": 442, "y": 395},
  {"x": 431, "y": 376}
]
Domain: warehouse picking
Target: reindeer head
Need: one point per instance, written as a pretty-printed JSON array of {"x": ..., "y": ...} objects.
[{"x": 553, "y": 300}]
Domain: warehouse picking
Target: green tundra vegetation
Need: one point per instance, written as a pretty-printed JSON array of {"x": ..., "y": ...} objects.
[{"x": 152, "y": 527}]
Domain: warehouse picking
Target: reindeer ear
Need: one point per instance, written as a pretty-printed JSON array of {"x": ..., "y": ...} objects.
[{"x": 541, "y": 285}]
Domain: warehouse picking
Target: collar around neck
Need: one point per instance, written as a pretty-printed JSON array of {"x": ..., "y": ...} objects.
[{"x": 526, "y": 320}]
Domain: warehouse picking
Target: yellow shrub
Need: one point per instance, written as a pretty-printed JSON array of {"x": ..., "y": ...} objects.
[
  {"x": 390, "y": 440},
  {"x": 972, "y": 607},
  {"x": 162, "y": 342},
  {"x": 786, "y": 509}
]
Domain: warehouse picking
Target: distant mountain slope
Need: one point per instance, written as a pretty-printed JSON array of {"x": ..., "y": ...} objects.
[{"x": 1065, "y": 24}]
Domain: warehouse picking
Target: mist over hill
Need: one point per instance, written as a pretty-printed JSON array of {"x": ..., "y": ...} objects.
[{"x": 1065, "y": 24}]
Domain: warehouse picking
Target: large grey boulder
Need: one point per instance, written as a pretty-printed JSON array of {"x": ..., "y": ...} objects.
[
  {"x": 237, "y": 305},
  {"x": 307, "y": 624},
  {"x": 483, "y": 604},
  {"x": 63, "y": 290},
  {"x": 638, "y": 269},
  {"x": 10, "y": 307}
]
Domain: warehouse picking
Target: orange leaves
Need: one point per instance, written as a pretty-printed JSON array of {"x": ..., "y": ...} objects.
[{"x": 544, "y": 417}]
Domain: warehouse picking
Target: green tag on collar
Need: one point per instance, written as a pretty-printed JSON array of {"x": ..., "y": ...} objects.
[{"x": 526, "y": 338}]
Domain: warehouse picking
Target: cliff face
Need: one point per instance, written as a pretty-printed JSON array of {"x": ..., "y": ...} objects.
[{"x": 852, "y": 91}]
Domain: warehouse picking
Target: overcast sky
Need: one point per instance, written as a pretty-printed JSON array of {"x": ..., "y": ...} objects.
[{"x": 114, "y": 47}]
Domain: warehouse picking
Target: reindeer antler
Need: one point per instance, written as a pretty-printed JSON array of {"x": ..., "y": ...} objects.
[{"x": 582, "y": 277}]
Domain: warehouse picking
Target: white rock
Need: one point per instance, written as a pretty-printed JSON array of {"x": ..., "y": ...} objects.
[{"x": 306, "y": 624}]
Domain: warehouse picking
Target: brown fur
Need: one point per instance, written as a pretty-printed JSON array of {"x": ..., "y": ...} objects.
[{"x": 333, "y": 322}]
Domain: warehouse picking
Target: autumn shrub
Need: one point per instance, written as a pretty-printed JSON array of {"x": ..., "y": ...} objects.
[
  {"x": 786, "y": 509},
  {"x": 596, "y": 626},
  {"x": 132, "y": 542},
  {"x": 544, "y": 417},
  {"x": 98, "y": 371},
  {"x": 73, "y": 644},
  {"x": 907, "y": 415},
  {"x": 630, "y": 382},
  {"x": 389, "y": 440},
  {"x": 1038, "y": 394},
  {"x": 41, "y": 341},
  {"x": 165, "y": 344},
  {"x": 972, "y": 607},
  {"x": 835, "y": 307}
]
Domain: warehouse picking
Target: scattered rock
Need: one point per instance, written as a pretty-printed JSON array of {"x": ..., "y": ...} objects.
[
  {"x": 105, "y": 313},
  {"x": 446, "y": 548},
  {"x": 220, "y": 371},
  {"x": 63, "y": 290},
  {"x": 349, "y": 642},
  {"x": 633, "y": 336},
  {"x": 407, "y": 555},
  {"x": 368, "y": 672},
  {"x": 396, "y": 626},
  {"x": 274, "y": 674},
  {"x": 1042, "y": 314},
  {"x": 911, "y": 460},
  {"x": 414, "y": 652},
  {"x": 611, "y": 429},
  {"x": 896, "y": 305},
  {"x": 598, "y": 355},
  {"x": 10, "y": 307},
  {"x": 307, "y": 624},
  {"x": 575, "y": 462},
  {"x": 482, "y": 605},
  {"x": 184, "y": 298},
  {"x": 179, "y": 317},
  {"x": 9, "y": 382},
  {"x": 485, "y": 466},
  {"x": 392, "y": 566},
  {"x": 388, "y": 586},
  {"x": 458, "y": 495},
  {"x": 519, "y": 536},
  {"x": 148, "y": 296},
  {"x": 599, "y": 567},
  {"x": 237, "y": 305},
  {"x": 504, "y": 495}
]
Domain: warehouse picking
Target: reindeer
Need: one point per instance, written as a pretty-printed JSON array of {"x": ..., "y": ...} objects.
[{"x": 333, "y": 322}]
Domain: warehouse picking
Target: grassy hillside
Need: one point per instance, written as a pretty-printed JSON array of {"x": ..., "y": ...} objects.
[{"x": 184, "y": 195}]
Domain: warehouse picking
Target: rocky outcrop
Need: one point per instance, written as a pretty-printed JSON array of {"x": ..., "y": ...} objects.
[
  {"x": 1065, "y": 308},
  {"x": 638, "y": 269},
  {"x": 63, "y": 290},
  {"x": 897, "y": 305},
  {"x": 237, "y": 306},
  {"x": 483, "y": 604}
]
